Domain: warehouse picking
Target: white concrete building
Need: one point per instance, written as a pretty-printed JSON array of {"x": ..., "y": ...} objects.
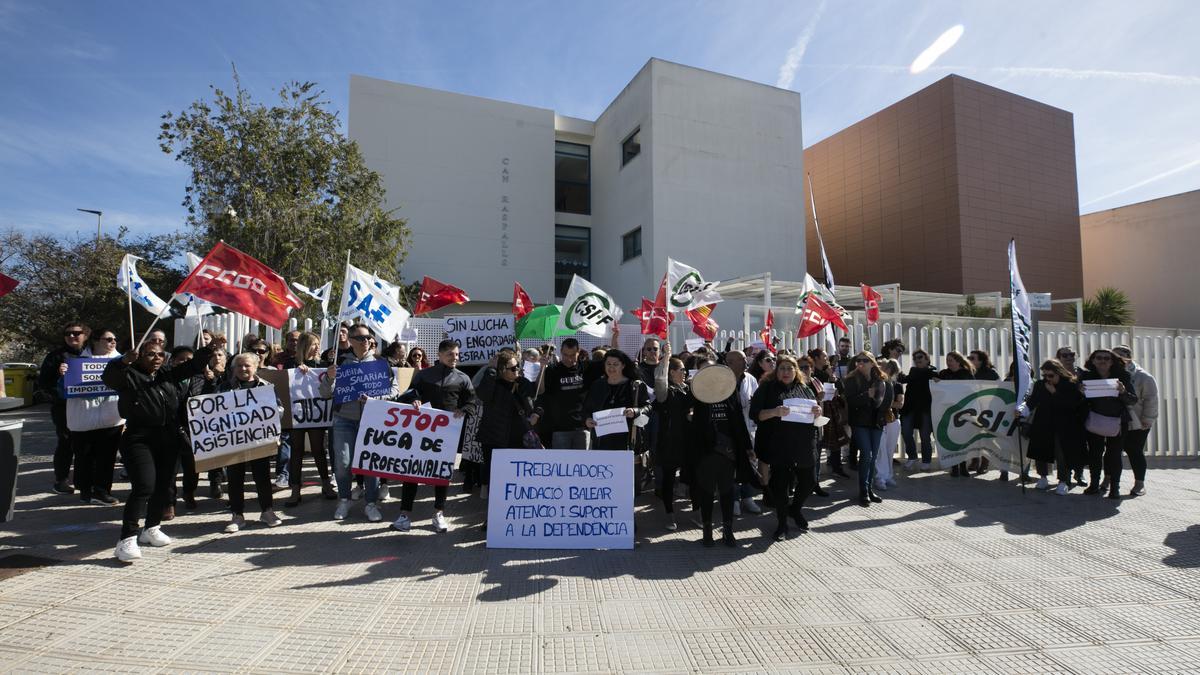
[{"x": 702, "y": 167}]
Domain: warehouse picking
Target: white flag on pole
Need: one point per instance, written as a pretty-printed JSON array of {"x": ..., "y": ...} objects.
[
  {"x": 588, "y": 309},
  {"x": 195, "y": 307},
  {"x": 1022, "y": 327},
  {"x": 363, "y": 297},
  {"x": 811, "y": 287},
  {"x": 130, "y": 281},
  {"x": 687, "y": 289},
  {"x": 321, "y": 294}
]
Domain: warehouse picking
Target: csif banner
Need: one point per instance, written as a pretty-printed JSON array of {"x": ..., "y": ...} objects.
[
  {"x": 975, "y": 418},
  {"x": 686, "y": 289},
  {"x": 588, "y": 309}
]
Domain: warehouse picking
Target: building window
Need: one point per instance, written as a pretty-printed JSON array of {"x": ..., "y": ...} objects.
[
  {"x": 572, "y": 255},
  {"x": 631, "y": 244},
  {"x": 572, "y": 178},
  {"x": 631, "y": 146}
]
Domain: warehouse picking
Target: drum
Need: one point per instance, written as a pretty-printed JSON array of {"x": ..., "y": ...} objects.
[{"x": 714, "y": 384}]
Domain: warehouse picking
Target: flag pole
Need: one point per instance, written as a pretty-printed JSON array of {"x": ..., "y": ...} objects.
[{"x": 129, "y": 296}]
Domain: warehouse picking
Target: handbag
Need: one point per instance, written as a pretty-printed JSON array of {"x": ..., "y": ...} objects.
[{"x": 1103, "y": 425}]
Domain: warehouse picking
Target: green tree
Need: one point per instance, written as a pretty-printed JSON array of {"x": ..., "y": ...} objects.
[
  {"x": 283, "y": 184},
  {"x": 972, "y": 308},
  {"x": 76, "y": 280},
  {"x": 1108, "y": 307}
]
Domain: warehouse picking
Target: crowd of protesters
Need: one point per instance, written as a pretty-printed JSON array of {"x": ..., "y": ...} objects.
[{"x": 726, "y": 452}]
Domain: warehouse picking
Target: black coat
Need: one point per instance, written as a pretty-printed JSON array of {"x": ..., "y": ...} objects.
[
  {"x": 153, "y": 400},
  {"x": 674, "y": 425},
  {"x": 505, "y": 409},
  {"x": 702, "y": 449},
  {"x": 1057, "y": 418},
  {"x": 867, "y": 402},
  {"x": 987, "y": 373},
  {"x": 1112, "y": 406},
  {"x": 561, "y": 402},
  {"x": 917, "y": 397},
  {"x": 603, "y": 396},
  {"x": 778, "y": 443},
  {"x": 48, "y": 377}
]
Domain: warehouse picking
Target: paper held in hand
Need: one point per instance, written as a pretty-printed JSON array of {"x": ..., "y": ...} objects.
[
  {"x": 1100, "y": 388},
  {"x": 801, "y": 410},
  {"x": 611, "y": 421},
  {"x": 830, "y": 390}
]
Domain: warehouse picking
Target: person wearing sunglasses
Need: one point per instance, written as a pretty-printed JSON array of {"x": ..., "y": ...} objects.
[
  {"x": 54, "y": 366},
  {"x": 868, "y": 398},
  {"x": 1107, "y": 422},
  {"x": 245, "y": 376},
  {"x": 1066, "y": 356},
  {"x": 762, "y": 365},
  {"x": 1054, "y": 425},
  {"x": 957, "y": 368},
  {"x": 507, "y": 400},
  {"x": 916, "y": 414},
  {"x": 149, "y": 399},
  {"x": 95, "y": 426},
  {"x": 1142, "y": 416}
]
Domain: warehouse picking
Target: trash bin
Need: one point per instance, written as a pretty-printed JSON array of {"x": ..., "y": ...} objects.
[
  {"x": 10, "y": 450},
  {"x": 20, "y": 379}
]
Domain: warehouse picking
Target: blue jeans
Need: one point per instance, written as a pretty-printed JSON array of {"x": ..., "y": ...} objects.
[
  {"x": 283, "y": 458},
  {"x": 908, "y": 423},
  {"x": 341, "y": 450},
  {"x": 867, "y": 439}
]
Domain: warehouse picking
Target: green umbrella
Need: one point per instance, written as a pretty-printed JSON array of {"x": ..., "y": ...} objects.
[{"x": 540, "y": 324}]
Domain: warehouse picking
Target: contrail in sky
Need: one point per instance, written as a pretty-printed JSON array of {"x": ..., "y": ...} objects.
[
  {"x": 1158, "y": 177},
  {"x": 934, "y": 51},
  {"x": 787, "y": 71}
]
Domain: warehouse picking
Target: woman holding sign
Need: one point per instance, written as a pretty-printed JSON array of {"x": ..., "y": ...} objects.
[
  {"x": 95, "y": 426},
  {"x": 869, "y": 399},
  {"x": 784, "y": 440},
  {"x": 245, "y": 376},
  {"x": 619, "y": 390},
  {"x": 506, "y": 397},
  {"x": 1109, "y": 392},
  {"x": 149, "y": 399},
  {"x": 1055, "y": 425}
]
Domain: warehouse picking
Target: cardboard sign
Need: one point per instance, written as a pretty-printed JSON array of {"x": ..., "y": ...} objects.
[
  {"x": 82, "y": 379},
  {"x": 574, "y": 499},
  {"x": 398, "y": 441},
  {"x": 233, "y": 426},
  {"x": 373, "y": 378},
  {"x": 307, "y": 409},
  {"x": 279, "y": 382},
  {"x": 479, "y": 337}
]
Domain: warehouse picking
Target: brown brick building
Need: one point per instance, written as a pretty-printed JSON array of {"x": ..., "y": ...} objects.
[{"x": 928, "y": 191}]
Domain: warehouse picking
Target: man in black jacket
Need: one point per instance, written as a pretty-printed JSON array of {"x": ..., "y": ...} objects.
[
  {"x": 560, "y": 405},
  {"x": 54, "y": 366}
]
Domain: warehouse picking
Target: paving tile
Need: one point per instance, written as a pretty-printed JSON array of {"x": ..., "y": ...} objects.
[
  {"x": 661, "y": 652},
  {"x": 575, "y": 654},
  {"x": 572, "y": 617},
  {"x": 711, "y": 650},
  {"x": 919, "y": 638}
]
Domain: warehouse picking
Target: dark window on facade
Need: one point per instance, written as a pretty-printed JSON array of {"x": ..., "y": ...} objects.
[
  {"x": 572, "y": 178},
  {"x": 631, "y": 244},
  {"x": 631, "y": 146},
  {"x": 572, "y": 255}
]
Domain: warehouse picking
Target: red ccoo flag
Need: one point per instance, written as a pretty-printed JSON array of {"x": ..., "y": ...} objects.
[
  {"x": 7, "y": 283},
  {"x": 816, "y": 315},
  {"x": 765, "y": 333},
  {"x": 702, "y": 324},
  {"x": 435, "y": 294},
  {"x": 871, "y": 299},
  {"x": 654, "y": 318},
  {"x": 239, "y": 283},
  {"x": 522, "y": 305}
]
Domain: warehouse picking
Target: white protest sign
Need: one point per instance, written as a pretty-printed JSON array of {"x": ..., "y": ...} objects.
[
  {"x": 1101, "y": 388},
  {"x": 309, "y": 410},
  {"x": 530, "y": 370},
  {"x": 479, "y": 337},
  {"x": 572, "y": 499},
  {"x": 398, "y": 441},
  {"x": 829, "y": 389},
  {"x": 801, "y": 410},
  {"x": 974, "y": 418},
  {"x": 587, "y": 309},
  {"x": 611, "y": 421},
  {"x": 692, "y": 344},
  {"x": 233, "y": 426}
]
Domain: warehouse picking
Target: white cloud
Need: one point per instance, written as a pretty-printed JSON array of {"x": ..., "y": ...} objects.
[{"x": 787, "y": 71}]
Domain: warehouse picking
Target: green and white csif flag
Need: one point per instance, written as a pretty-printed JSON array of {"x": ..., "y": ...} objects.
[
  {"x": 686, "y": 289},
  {"x": 1022, "y": 326},
  {"x": 587, "y": 309}
]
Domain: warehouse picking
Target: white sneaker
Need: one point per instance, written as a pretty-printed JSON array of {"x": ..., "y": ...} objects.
[
  {"x": 925, "y": 466},
  {"x": 669, "y": 522},
  {"x": 483, "y": 493},
  {"x": 1139, "y": 489},
  {"x": 127, "y": 550},
  {"x": 356, "y": 493},
  {"x": 269, "y": 518},
  {"x": 749, "y": 505},
  {"x": 402, "y": 524},
  {"x": 737, "y": 508},
  {"x": 236, "y": 523},
  {"x": 281, "y": 482},
  {"x": 910, "y": 464},
  {"x": 343, "y": 509},
  {"x": 385, "y": 493},
  {"x": 153, "y": 536},
  {"x": 1062, "y": 489},
  {"x": 1043, "y": 483},
  {"x": 439, "y": 522},
  {"x": 373, "y": 513}
]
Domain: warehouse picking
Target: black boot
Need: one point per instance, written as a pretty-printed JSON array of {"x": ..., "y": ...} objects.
[
  {"x": 874, "y": 497},
  {"x": 818, "y": 491},
  {"x": 727, "y": 537},
  {"x": 863, "y": 499},
  {"x": 801, "y": 521},
  {"x": 954, "y": 471},
  {"x": 781, "y": 532},
  {"x": 708, "y": 538}
]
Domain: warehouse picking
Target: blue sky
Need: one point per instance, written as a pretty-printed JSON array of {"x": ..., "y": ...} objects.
[{"x": 84, "y": 83}]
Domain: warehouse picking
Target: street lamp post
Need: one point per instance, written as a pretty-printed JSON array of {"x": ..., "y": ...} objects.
[{"x": 98, "y": 214}]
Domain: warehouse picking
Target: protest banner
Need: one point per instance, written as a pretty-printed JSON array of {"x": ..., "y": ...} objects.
[
  {"x": 479, "y": 337},
  {"x": 398, "y": 441},
  {"x": 278, "y": 379},
  {"x": 233, "y": 426},
  {"x": 82, "y": 379},
  {"x": 308, "y": 409},
  {"x": 973, "y": 419},
  {"x": 569, "y": 499},
  {"x": 372, "y": 378}
]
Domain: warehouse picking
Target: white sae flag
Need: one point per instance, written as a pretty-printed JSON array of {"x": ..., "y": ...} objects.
[
  {"x": 194, "y": 307},
  {"x": 130, "y": 281},
  {"x": 686, "y": 289},
  {"x": 1022, "y": 327},
  {"x": 321, "y": 294},
  {"x": 363, "y": 296},
  {"x": 588, "y": 309}
]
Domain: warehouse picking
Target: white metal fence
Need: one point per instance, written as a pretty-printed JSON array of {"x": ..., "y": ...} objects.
[{"x": 1172, "y": 356}]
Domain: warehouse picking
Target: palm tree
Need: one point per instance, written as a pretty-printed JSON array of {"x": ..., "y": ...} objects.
[{"x": 1109, "y": 307}]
